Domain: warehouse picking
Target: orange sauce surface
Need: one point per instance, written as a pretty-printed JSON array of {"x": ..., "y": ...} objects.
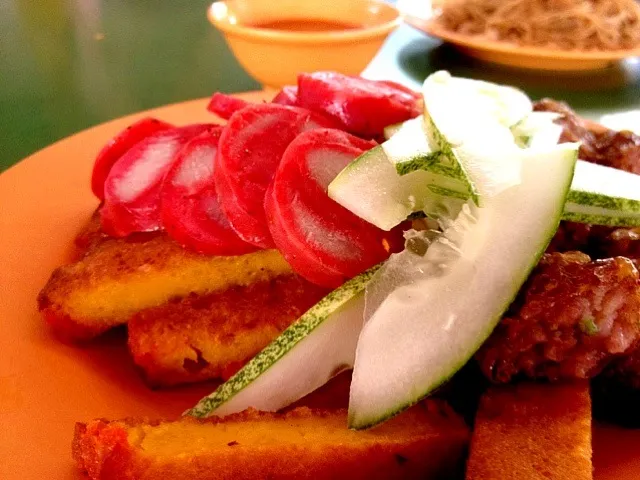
[{"x": 307, "y": 25}]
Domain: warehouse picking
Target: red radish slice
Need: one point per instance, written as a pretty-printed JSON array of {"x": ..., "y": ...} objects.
[
  {"x": 297, "y": 254},
  {"x": 191, "y": 213},
  {"x": 118, "y": 146},
  {"x": 249, "y": 152},
  {"x": 287, "y": 96},
  {"x": 132, "y": 189},
  {"x": 363, "y": 107},
  {"x": 342, "y": 245},
  {"x": 225, "y": 105}
]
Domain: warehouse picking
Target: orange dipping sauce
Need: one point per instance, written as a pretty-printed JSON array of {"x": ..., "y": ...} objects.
[{"x": 307, "y": 25}]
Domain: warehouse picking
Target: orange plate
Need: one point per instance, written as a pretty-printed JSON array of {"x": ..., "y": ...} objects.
[
  {"x": 523, "y": 57},
  {"x": 46, "y": 386}
]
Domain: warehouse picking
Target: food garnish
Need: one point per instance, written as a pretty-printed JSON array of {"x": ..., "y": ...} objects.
[
  {"x": 118, "y": 146},
  {"x": 599, "y": 194},
  {"x": 315, "y": 348},
  {"x": 448, "y": 259},
  {"x": 191, "y": 212},
  {"x": 132, "y": 188}
]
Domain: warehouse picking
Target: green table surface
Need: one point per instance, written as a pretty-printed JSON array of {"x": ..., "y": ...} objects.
[{"x": 66, "y": 65}]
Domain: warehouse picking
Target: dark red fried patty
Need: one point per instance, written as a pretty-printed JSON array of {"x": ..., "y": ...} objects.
[{"x": 571, "y": 318}]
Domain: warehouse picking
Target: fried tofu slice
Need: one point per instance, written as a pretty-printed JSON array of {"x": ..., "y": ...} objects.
[
  {"x": 117, "y": 278},
  {"x": 533, "y": 431},
  {"x": 213, "y": 336},
  {"x": 427, "y": 441}
]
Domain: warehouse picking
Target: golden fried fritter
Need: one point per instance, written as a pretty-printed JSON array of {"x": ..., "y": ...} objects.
[
  {"x": 532, "y": 432},
  {"x": 212, "y": 336},
  {"x": 570, "y": 319},
  {"x": 118, "y": 278},
  {"x": 427, "y": 441}
]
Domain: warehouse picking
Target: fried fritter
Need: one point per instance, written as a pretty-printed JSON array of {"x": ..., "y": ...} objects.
[
  {"x": 606, "y": 147},
  {"x": 117, "y": 278},
  {"x": 600, "y": 145},
  {"x": 428, "y": 441},
  {"x": 212, "y": 336},
  {"x": 570, "y": 319},
  {"x": 532, "y": 431}
]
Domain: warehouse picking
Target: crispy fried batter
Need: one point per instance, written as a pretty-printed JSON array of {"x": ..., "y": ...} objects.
[
  {"x": 571, "y": 318},
  {"x": 599, "y": 145},
  {"x": 117, "y": 278},
  {"x": 532, "y": 432},
  {"x": 427, "y": 441},
  {"x": 212, "y": 336}
]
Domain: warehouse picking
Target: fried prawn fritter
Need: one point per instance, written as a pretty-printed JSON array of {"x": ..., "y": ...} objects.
[
  {"x": 532, "y": 431},
  {"x": 427, "y": 441},
  {"x": 212, "y": 336},
  {"x": 599, "y": 145},
  {"x": 570, "y": 319},
  {"x": 117, "y": 278}
]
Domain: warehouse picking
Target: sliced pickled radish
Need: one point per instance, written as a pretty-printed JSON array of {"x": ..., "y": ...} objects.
[
  {"x": 191, "y": 214},
  {"x": 287, "y": 96},
  {"x": 249, "y": 152},
  {"x": 118, "y": 146},
  {"x": 225, "y": 105},
  {"x": 363, "y": 107},
  {"x": 340, "y": 244},
  {"x": 132, "y": 189},
  {"x": 297, "y": 254}
]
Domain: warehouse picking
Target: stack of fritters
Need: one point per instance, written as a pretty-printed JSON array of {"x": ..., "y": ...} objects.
[{"x": 190, "y": 317}]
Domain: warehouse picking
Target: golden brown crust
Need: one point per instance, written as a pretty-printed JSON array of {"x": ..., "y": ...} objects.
[
  {"x": 117, "y": 278},
  {"x": 532, "y": 432},
  {"x": 204, "y": 337},
  {"x": 426, "y": 442}
]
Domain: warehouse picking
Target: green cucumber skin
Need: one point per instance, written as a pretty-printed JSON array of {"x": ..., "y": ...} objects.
[
  {"x": 372, "y": 422},
  {"x": 613, "y": 220},
  {"x": 296, "y": 332},
  {"x": 452, "y": 167},
  {"x": 423, "y": 162},
  {"x": 623, "y": 212},
  {"x": 595, "y": 199}
]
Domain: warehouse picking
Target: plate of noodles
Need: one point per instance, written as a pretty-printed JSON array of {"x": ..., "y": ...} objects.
[{"x": 539, "y": 34}]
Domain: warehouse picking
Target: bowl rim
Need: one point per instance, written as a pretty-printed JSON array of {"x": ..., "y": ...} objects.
[{"x": 338, "y": 36}]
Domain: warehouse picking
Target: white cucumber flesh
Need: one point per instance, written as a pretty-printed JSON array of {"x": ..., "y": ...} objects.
[
  {"x": 604, "y": 196},
  {"x": 390, "y": 130},
  {"x": 391, "y": 181},
  {"x": 469, "y": 122},
  {"x": 315, "y": 348},
  {"x": 433, "y": 321},
  {"x": 537, "y": 129}
]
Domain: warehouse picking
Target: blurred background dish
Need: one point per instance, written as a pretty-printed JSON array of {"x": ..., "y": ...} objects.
[
  {"x": 537, "y": 34},
  {"x": 514, "y": 55},
  {"x": 276, "y": 40}
]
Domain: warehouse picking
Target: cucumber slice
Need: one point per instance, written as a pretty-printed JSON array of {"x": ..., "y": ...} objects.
[
  {"x": 390, "y": 130},
  {"x": 537, "y": 130},
  {"x": 315, "y": 348},
  {"x": 438, "y": 315},
  {"x": 396, "y": 190},
  {"x": 599, "y": 195},
  {"x": 469, "y": 122},
  {"x": 603, "y": 195}
]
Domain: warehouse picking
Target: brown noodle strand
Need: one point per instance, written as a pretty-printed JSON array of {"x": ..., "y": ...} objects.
[{"x": 565, "y": 24}]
